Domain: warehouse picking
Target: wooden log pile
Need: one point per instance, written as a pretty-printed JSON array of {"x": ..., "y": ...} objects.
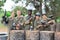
[
  {"x": 17, "y": 35},
  {"x": 46, "y": 35},
  {"x": 34, "y": 35},
  {"x": 57, "y": 35},
  {"x": 57, "y": 27}
]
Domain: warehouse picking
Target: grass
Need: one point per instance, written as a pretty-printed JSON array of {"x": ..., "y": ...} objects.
[{"x": 1, "y": 14}]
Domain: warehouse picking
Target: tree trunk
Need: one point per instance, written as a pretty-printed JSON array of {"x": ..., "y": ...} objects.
[
  {"x": 32, "y": 35},
  {"x": 17, "y": 35},
  {"x": 46, "y": 35},
  {"x": 57, "y": 36},
  {"x": 57, "y": 27}
]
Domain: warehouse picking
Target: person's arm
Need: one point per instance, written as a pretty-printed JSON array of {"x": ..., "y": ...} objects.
[
  {"x": 23, "y": 21},
  {"x": 52, "y": 21},
  {"x": 39, "y": 26},
  {"x": 27, "y": 21}
]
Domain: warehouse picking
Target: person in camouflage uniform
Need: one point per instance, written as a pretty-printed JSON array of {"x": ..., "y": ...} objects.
[
  {"x": 52, "y": 23},
  {"x": 44, "y": 22},
  {"x": 37, "y": 22},
  {"x": 12, "y": 21},
  {"x": 11, "y": 24},
  {"x": 44, "y": 17},
  {"x": 29, "y": 20},
  {"x": 19, "y": 20}
]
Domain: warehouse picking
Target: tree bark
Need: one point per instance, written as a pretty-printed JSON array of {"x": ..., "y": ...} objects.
[
  {"x": 32, "y": 35},
  {"x": 46, "y": 35},
  {"x": 57, "y": 36},
  {"x": 57, "y": 27},
  {"x": 17, "y": 35}
]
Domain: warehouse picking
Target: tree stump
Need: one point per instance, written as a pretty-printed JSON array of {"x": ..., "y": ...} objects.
[
  {"x": 57, "y": 36},
  {"x": 17, "y": 35},
  {"x": 46, "y": 35},
  {"x": 32, "y": 35},
  {"x": 53, "y": 27},
  {"x": 57, "y": 27}
]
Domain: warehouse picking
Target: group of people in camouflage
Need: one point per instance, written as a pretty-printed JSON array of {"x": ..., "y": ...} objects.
[{"x": 31, "y": 22}]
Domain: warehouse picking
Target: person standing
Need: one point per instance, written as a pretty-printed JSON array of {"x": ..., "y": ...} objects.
[
  {"x": 19, "y": 21},
  {"x": 52, "y": 23},
  {"x": 11, "y": 24},
  {"x": 37, "y": 22},
  {"x": 45, "y": 22},
  {"x": 29, "y": 20},
  {"x": 12, "y": 21}
]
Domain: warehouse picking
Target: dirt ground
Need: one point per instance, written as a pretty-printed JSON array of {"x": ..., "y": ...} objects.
[{"x": 4, "y": 29}]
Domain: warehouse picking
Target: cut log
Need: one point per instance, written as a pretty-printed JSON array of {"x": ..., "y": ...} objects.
[
  {"x": 32, "y": 35},
  {"x": 57, "y": 36},
  {"x": 17, "y": 35},
  {"x": 57, "y": 27},
  {"x": 53, "y": 27},
  {"x": 46, "y": 35}
]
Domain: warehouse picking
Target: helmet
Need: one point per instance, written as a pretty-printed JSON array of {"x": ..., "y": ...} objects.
[
  {"x": 51, "y": 16},
  {"x": 37, "y": 14}
]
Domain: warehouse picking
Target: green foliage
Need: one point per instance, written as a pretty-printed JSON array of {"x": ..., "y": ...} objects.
[
  {"x": 16, "y": 1},
  {"x": 1, "y": 3},
  {"x": 58, "y": 20},
  {"x": 22, "y": 9},
  {"x": 57, "y": 8},
  {"x": 8, "y": 13},
  {"x": 1, "y": 13}
]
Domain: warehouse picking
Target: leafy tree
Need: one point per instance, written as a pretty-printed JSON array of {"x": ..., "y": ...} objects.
[
  {"x": 22, "y": 9},
  {"x": 16, "y": 1},
  {"x": 2, "y": 2}
]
